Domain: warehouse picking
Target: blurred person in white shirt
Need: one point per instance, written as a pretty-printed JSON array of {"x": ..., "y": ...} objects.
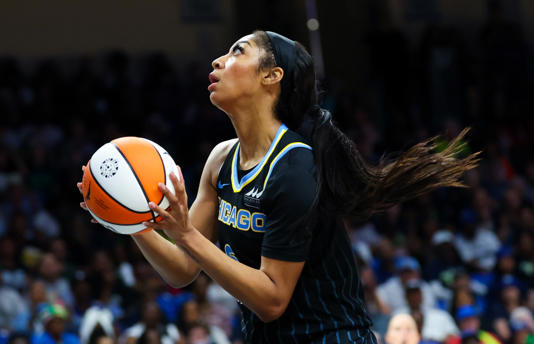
[
  {"x": 392, "y": 294},
  {"x": 434, "y": 324}
]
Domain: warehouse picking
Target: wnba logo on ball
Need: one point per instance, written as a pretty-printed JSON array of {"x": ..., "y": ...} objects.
[{"x": 109, "y": 168}]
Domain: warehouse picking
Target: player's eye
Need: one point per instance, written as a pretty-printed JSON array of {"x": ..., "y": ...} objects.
[{"x": 237, "y": 49}]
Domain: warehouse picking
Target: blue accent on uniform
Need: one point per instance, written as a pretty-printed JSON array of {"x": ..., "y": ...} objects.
[
  {"x": 229, "y": 252},
  {"x": 233, "y": 214},
  {"x": 342, "y": 287},
  {"x": 220, "y": 185},
  {"x": 336, "y": 296},
  {"x": 351, "y": 283},
  {"x": 322, "y": 302},
  {"x": 310, "y": 306},
  {"x": 307, "y": 331},
  {"x": 258, "y": 222},
  {"x": 226, "y": 212},
  {"x": 243, "y": 221},
  {"x": 281, "y": 155},
  {"x": 240, "y": 183}
]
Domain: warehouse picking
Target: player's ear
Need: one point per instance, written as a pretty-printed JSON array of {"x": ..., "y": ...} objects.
[{"x": 272, "y": 76}]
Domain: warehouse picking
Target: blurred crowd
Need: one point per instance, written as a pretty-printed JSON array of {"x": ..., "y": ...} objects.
[{"x": 454, "y": 266}]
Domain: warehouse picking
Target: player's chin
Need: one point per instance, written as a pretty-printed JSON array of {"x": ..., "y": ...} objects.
[{"x": 217, "y": 99}]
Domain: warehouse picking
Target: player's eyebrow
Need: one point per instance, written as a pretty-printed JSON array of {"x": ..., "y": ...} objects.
[{"x": 243, "y": 42}]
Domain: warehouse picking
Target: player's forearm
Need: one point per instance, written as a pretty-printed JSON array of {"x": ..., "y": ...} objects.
[
  {"x": 170, "y": 261},
  {"x": 251, "y": 286}
]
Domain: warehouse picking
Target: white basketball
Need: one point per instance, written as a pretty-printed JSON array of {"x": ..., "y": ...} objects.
[{"x": 121, "y": 178}]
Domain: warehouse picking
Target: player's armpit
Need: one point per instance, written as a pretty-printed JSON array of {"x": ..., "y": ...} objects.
[{"x": 203, "y": 211}]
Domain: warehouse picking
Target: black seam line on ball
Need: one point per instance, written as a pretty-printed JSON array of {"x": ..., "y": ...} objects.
[
  {"x": 164, "y": 174},
  {"x": 138, "y": 181}
]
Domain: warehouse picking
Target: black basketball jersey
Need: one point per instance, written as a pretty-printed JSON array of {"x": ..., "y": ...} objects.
[{"x": 262, "y": 213}]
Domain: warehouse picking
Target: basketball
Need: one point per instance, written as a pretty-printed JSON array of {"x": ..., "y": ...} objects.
[{"x": 121, "y": 178}]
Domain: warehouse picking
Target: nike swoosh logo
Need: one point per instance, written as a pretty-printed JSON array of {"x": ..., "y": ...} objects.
[
  {"x": 220, "y": 186},
  {"x": 87, "y": 196}
]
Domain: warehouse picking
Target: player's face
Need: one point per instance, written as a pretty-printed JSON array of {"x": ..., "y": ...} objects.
[{"x": 235, "y": 75}]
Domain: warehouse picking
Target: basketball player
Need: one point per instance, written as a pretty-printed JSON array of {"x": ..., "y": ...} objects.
[{"x": 274, "y": 200}]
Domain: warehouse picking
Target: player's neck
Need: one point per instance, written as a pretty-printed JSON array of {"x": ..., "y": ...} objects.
[{"x": 255, "y": 133}]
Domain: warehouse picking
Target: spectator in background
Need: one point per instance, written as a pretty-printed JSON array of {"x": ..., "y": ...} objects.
[
  {"x": 392, "y": 292},
  {"x": 27, "y": 321},
  {"x": 383, "y": 260},
  {"x": 476, "y": 243},
  {"x": 150, "y": 336},
  {"x": 12, "y": 273},
  {"x": 189, "y": 317},
  {"x": 443, "y": 254},
  {"x": 501, "y": 309},
  {"x": 466, "y": 291},
  {"x": 522, "y": 325},
  {"x": 58, "y": 247},
  {"x": 523, "y": 255},
  {"x": 57, "y": 287},
  {"x": 402, "y": 329},
  {"x": 96, "y": 326},
  {"x": 53, "y": 317},
  {"x": 433, "y": 324},
  {"x": 198, "y": 333},
  {"x": 19, "y": 338},
  {"x": 108, "y": 291},
  {"x": 11, "y": 304},
  {"x": 82, "y": 301},
  {"x": 100, "y": 337},
  {"x": 215, "y": 315},
  {"x": 468, "y": 320},
  {"x": 151, "y": 324}
]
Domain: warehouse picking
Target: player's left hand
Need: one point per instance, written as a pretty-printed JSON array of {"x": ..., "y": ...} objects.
[{"x": 175, "y": 220}]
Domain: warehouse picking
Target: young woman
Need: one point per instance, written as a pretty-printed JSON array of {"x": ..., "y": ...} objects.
[{"x": 274, "y": 200}]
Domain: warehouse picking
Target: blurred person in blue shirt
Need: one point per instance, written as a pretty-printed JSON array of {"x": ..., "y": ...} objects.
[{"x": 54, "y": 317}]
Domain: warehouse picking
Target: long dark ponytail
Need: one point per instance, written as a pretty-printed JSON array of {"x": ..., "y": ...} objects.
[{"x": 347, "y": 184}]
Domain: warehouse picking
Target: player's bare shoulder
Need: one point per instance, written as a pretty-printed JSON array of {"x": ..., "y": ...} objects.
[{"x": 217, "y": 157}]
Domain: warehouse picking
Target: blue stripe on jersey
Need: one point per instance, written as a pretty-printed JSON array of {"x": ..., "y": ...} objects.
[
  {"x": 342, "y": 290},
  {"x": 322, "y": 302},
  {"x": 351, "y": 284},
  {"x": 311, "y": 308},
  {"x": 281, "y": 154},
  {"x": 293, "y": 329},
  {"x": 307, "y": 331},
  {"x": 362, "y": 340},
  {"x": 335, "y": 293},
  {"x": 238, "y": 185}
]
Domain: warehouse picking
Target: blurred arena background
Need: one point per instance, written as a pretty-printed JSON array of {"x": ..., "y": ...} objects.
[{"x": 76, "y": 74}]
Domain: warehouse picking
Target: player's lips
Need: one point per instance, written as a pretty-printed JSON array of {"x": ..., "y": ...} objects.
[{"x": 213, "y": 80}]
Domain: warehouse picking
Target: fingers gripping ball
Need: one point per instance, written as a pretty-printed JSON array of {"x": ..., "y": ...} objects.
[{"x": 121, "y": 178}]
